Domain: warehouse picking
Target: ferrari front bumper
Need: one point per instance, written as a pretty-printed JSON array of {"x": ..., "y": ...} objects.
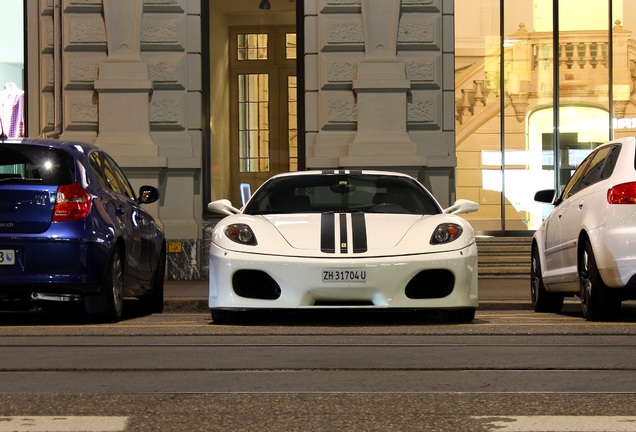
[{"x": 441, "y": 280}]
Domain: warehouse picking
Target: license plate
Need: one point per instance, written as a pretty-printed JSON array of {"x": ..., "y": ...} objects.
[
  {"x": 7, "y": 257},
  {"x": 344, "y": 275}
]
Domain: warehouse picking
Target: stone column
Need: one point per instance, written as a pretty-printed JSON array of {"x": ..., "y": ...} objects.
[
  {"x": 381, "y": 89},
  {"x": 124, "y": 89}
]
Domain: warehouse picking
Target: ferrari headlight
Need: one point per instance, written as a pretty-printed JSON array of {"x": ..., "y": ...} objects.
[
  {"x": 241, "y": 234},
  {"x": 446, "y": 233}
]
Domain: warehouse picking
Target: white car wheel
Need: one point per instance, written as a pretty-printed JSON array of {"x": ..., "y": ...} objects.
[
  {"x": 542, "y": 300},
  {"x": 598, "y": 302}
]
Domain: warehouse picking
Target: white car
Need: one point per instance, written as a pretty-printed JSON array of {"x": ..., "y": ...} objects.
[
  {"x": 343, "y": 239},
  {"x": 586, "y": 246}
]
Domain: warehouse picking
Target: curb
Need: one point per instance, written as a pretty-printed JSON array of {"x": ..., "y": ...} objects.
[{"x": 198, "y": 305}]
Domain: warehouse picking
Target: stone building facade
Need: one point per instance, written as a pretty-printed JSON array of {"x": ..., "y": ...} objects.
[
  {"x": 127, "y": 75},
  {"x": 380, "y": 88},
  {"x": 134, "y": 76}
]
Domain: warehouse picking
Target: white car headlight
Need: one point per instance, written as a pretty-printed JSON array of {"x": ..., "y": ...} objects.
[
  {"x": 241, "y": 233},
  {"x": 446, "y": 233}
]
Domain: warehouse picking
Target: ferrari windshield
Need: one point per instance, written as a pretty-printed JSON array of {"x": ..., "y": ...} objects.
[{"x": 339, "y": 193}]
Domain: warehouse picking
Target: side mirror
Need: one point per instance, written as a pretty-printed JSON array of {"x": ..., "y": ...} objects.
[
  {"x": 462, "y": 206},
  {"x": 148, "y": 194},
  {"x": 222, "y": 206},
  {"x": 547, "y": 196}
]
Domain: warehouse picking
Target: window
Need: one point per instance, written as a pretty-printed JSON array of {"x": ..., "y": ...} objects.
[
  {"x": 253, "y": 105},
  {"x": 595, "y": 168},
  {"x": 252, "y": 46},
  {"x": 263, "y": 105}
]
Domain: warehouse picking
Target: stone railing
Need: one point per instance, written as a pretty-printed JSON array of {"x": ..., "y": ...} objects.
[{"x": 583, "y": 63}]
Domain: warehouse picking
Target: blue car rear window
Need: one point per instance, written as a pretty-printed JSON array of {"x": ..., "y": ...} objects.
[{"x": 21, "y": 163}]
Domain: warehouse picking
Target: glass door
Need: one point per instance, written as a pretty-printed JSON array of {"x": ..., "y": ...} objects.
[{"x": 263, "y": 107}]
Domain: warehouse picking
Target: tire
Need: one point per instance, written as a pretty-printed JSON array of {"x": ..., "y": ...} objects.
[
  {"x": 224, "y": 316},
  {"x": 457, "y": 315},
  {"x": 153, "y": 301},
  {"x": 542, "y": 300},
  {"x": 598, "y": 302},
  {"x": 109, "y": 303}
]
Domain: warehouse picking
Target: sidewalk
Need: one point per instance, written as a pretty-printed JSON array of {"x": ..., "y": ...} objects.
[{"x": 494, "y": 294}]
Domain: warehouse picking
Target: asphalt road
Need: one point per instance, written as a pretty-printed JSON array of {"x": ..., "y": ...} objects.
[{"x": 509, "y": 370}]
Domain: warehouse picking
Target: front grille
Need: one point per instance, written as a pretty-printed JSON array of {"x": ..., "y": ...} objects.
[
  {"x": 255, "y": 284},
  {"x": 343, "y": 303},
  {"x": 430, "y": 284}
]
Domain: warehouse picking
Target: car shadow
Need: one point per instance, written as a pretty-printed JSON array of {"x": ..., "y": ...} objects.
[
  {"x": 338, "y": 318},
  {"x": 627, "y": 315},
  {"x": 62, "y": 314}
]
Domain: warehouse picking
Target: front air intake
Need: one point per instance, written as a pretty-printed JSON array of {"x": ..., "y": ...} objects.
[
  {"x": 430, "y": 284},
  {"x": 255, "y": 284}
]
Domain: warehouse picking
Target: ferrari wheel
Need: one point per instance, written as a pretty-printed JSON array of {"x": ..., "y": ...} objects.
[
  {"x": 542, "y": 300},
  {"x": 457, "y": 315},
  {"x": 598, "y": 302},
  {"x": 109, "y": 303},
  {"x": 224, "y": 316}
]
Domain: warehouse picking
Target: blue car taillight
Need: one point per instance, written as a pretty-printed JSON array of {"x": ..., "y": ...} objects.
[{"x": 72, "y": 203}]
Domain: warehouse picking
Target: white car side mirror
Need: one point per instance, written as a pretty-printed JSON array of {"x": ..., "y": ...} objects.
[
  {"x": 462, "y": 206},
  {"x": 222, "y": 206}
]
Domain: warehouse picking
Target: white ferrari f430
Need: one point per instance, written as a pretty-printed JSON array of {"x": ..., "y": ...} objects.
[{"x": 343, "y": 239}]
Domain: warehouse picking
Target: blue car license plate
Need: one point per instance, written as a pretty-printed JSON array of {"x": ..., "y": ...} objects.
[{"x": 7, "y": 257}]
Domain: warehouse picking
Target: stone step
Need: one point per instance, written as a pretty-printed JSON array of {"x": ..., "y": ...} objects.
[
  {"x": 504, "y": 257},
  {"x": 522, "y": 260},
  {"x": 513, "y": 272}
]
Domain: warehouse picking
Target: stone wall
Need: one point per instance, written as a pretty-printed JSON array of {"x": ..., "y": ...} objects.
[
  {"x": 128, "y": 78},
  {"x": 380, "y": 88}
]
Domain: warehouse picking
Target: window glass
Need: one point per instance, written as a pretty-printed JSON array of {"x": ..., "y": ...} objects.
[
  {"x": 595, "y": 168},
  {"x": 252, "y": 46},
  {"x": 572, "y": 186},
  {"x": 124, "y": 185},
  {"x": 12, "y": 72},
  {"x": 290, "y": 46},
  {"x": 110, "y": 175},
  {"x": 292, "y": 121},
  {"x": 105, "y": 174},
  {"x": 340, "y": 193},
  {"x": 610, "y": 163},
  {"x": 253, "y": 105},
  {"x": 545, "y": 82},
  {"x": 97, "y": 163},
  {"x": 47, "y": 166}
]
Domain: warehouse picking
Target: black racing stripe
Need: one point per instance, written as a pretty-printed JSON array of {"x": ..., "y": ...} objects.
[
  {"x": 327, "y": 233},
  {"x": 343, "y": 233},
  {"x": 327, "y": 171},
  {"x": 359, "y": 233},
  {"x": 355, "y": 172}
]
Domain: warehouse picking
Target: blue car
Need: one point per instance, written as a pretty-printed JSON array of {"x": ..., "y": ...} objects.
[{"x": 72, "y": 230}]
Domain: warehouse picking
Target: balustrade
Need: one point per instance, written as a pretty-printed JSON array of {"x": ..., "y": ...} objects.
[{"x": 582, "y": 61}]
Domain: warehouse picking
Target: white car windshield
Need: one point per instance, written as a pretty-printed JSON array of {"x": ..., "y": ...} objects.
[{"x": 368, "y": 193}]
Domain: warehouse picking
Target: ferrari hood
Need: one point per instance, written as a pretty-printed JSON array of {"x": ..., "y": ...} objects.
[{"x": 343, "y": 232}]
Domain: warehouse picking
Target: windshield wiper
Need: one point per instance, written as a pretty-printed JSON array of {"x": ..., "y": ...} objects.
[{"x": 20, "y": 180}]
